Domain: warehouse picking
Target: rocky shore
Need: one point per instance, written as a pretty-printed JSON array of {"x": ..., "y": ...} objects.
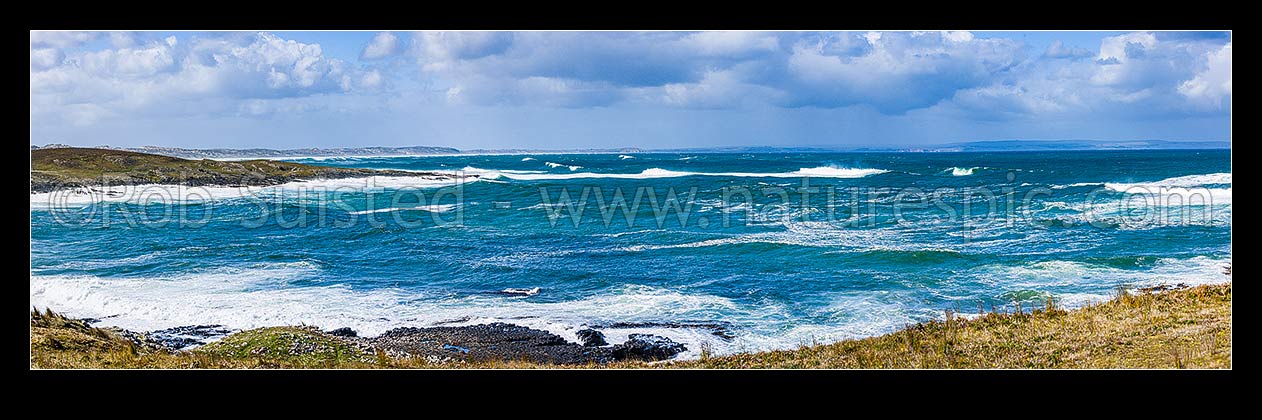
[
  {"x": 1177, "y": 327},
  {"x": 477, "y": 343},
  {"x": 72, "y": 168}
]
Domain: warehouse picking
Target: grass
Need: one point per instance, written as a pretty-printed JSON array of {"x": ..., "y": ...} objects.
[{"x": 1186, "y": 328}]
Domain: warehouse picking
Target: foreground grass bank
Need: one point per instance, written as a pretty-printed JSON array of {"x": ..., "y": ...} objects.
[{"x": 1186, "y": 328}]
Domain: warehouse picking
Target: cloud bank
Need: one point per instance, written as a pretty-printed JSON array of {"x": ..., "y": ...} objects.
[{"x": 86, "y": 78}]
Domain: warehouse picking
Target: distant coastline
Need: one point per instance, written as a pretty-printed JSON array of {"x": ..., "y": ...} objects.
[
  {"x": 973, "y": 146},
  {"x": 66, "y": 168}
]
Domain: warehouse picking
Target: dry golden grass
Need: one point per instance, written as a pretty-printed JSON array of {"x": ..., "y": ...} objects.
[{"x": 1189, "y": 328}]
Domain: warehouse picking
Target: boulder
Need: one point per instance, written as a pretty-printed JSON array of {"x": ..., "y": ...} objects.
[
  {"x": 647, "y": 347},
  {"x": 591, "y": 338},
  {"x": 343, "y": 332}
]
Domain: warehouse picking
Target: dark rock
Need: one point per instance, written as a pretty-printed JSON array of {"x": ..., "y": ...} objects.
[
  {"x": 1164, "y": 287},
  {"x": 719, "y": 329},
  {"x": 647, "y": 347},
  {"x": 189, "y": 336},
  {"x": 496, "y": 341},
  {"x": 592, "y": 338},
  {"x": 343, "y": 332},
  {"x": 143, "y": 340}
]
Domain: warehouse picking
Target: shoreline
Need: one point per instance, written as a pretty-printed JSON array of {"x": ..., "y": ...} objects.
[
  {"x": 1187, "y": 326},
  {"x": 70, "y": 169}
]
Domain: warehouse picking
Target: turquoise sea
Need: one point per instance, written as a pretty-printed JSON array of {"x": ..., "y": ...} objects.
[{"x": 775, "y": 249}]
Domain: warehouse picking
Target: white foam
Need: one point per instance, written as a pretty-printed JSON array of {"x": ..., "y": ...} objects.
[
  {"x": 1060, "y": 277},
  {"x": 1189, "y": 190},
  {"x": 521, "y": 291},
  {"x": 266, "y": 295},
  {"x": 527, "y": 159},
  {"x": 488, "y": 174},
  {"x": 550, "y": 206},
  {"x": 1077, "y": 184},
  {"x": 161, "y": 193},
  {"x": 1175, "y": 196},
  {"x": 808, "y": 234},
  {"x": 632, "y": 232},
  {"x": 625, "y": 157},
  {"x": 435, "y": 208},
  {"x": 653, "y": 173},
  {"x": 1181, "y": 181},
  {"x": 958, "y": 171},
  {"x": 376, "y": 183},
  {"x": 243, "y": 298},
  {"x": 1186, "y": 190},
  {"x": 558, "y": 165}
]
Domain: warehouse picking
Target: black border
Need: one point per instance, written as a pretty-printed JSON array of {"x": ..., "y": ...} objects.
[
  {"x": 642, "y": 386},
  {"x": 851, "y": 15},
  {"x": 972, "y": 392}
]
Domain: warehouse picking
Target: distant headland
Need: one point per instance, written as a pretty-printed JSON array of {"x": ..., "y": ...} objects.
[
  {"x": 72, "y": 167},
  {"x": 971, "y": 146}
]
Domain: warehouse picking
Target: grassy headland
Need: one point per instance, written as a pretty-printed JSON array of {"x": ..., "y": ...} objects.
[
  {"x": 1184, "y": 328},
  {"x": 72, "y": 167}
]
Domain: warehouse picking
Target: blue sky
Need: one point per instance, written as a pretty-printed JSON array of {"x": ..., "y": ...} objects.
[{"x": 561, "y": 90}]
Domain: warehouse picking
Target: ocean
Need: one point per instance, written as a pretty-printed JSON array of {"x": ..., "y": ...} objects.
[{"x": 726, "y": 252}]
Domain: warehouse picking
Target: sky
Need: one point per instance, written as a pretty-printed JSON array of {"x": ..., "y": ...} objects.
[{"x": 606, "y": 89}]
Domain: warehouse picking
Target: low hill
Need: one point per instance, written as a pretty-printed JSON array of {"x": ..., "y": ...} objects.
[{"x": 72, "y": 167}]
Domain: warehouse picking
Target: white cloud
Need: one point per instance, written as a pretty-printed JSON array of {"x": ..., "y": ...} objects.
[
  {"x": 1211, "y": 85},
  {"x": 384, "y": 44},
  {"x": 439, "y": 49},
  {"x": 206, "y": 76},
  {"x": 128, "y": 63},
  {"x": 720, "y": 89},
  {"x": 122, "y": 39},
  {"x": 897, "y": 71},
  {"x": 1123, "y": 59},
  {"x": 45, "y": 58},
  {"x": 1133, "y": 74},
  {"x": 1117, "y": 47},
  {"x": 730, "y": 43},
  {"x": 534, "y": 91},
  {"x": 61, "y": 39},
  {"x": 1058, "y": 49},
  {"x": 957, "y": 36},
  {"x": 372, "y": 79},
  {"x": 136, "y": 75}
]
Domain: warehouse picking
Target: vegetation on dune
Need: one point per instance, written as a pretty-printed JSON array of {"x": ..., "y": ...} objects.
[
  {"x": 58, "y": 342},
  {"x": 1188, "y": 328},
  {"x": 1185, "y": 328},
  {"x": 300, "y": 346},
  {"x": 73, "y": 167}
]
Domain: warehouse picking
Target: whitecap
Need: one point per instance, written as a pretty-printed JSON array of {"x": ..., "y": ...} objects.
[
  {"x": 171, "y": 194},
  {"x": 558, "y": 165},
  {"x": 435, "y": 208},
  {"x": 653, "y": 173},
  {"x": 521, "y": 291}
]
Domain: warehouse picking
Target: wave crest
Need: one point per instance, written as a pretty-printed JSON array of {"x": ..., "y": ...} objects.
[{"x": 653, "y": 173}]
